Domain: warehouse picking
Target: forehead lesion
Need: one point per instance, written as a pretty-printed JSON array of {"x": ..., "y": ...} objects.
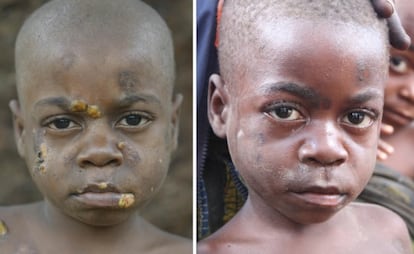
[{"x": 128, "y": 80}]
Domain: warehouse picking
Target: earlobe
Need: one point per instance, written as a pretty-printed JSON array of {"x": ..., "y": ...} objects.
[
  {"x": 175, "y": 119},
  {"x": 18, "y": 126},
  {"x": 217, "y": 104}
]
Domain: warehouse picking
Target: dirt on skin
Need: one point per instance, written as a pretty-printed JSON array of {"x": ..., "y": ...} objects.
[{"x": 172, "y": 208}]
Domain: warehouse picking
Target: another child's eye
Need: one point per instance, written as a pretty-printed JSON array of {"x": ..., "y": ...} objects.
[
  {"x": 134, "y": 120},
  {"x": 284, "y": 113},
  {"x": 62, "y": 124},
  {"x": 359, "y": 119},
  {"x": 398, "y": 64}
]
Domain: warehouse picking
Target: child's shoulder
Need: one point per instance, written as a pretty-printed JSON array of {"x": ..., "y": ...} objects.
[
  {"x": 381, "y": 224},
  {"x": 378, "y": 217},
  {"x": 15, "y": 225},
  {"x": 163, "y": 242}
]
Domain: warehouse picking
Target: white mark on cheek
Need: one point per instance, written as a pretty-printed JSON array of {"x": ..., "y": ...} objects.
[{"x": 240, "y": 134}]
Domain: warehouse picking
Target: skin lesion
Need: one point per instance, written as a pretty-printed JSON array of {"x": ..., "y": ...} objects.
[
  {"x": 41, "y": 158},
  {"x": 3, "y": 228},
  {"x": 126, "y": 200},
  {"x": 81, "y": 106}
]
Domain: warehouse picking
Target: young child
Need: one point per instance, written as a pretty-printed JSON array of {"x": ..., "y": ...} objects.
[
  {"x": 96, "y": 122},
  {"x": 392, "y": 183},
  {"x": 299, "y": 101},
  {"x": 399, "y": 98}
]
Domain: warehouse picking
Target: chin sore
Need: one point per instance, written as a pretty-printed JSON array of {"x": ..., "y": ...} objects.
[{"x": 126, "y": 200}]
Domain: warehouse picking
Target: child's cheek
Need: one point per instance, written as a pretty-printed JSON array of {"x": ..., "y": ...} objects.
[
  {"x": 41, "y": 150},
  {"x": 149, "y": 166}
]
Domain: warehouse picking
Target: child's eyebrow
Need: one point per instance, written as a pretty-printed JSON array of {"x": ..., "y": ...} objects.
[
  {"x": 365, "y": 96},
  {"x": 305, "y": 93},
  {"x": 145, "y": 98},
  {"x": 61, "y": 102}
]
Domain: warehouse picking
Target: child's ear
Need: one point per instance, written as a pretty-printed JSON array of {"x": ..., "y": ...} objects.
[
  {"x": 18, "y": 126},
  {"x": 217, "y": 105},
  {"x": 175, "y": 119}
]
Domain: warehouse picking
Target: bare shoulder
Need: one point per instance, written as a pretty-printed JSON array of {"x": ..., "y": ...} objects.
[
  {"x": 164, "y": 242},
  {"x": 15, "y": 223},
  {"x": 385, "y": 224}
]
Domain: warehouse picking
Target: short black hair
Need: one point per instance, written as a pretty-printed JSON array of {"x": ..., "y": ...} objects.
[{"x": 236, "y": 29}]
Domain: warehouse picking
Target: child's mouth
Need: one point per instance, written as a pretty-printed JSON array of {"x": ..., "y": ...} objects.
[
  {"x": 106, "y": 199},
  {"x": 322, "y": 197},
  {"x": 104, "y": 195}
]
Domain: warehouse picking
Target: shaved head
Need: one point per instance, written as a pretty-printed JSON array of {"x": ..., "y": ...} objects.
[
  {"x": 239, "y": 26},
  {"x": 64, "y": 31}
]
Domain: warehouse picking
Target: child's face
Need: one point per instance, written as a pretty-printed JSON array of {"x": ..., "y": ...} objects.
[
  {"x": 302, "y": 122},
  {"x": 399, "y": 92},
  {"x": 97, "y": 130}
]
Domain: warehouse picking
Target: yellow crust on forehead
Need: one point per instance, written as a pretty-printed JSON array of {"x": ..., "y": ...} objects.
[{"x": 82, "y": 106}]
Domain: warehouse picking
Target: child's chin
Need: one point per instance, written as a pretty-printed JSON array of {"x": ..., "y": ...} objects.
[{"x": 103, "y": 218}]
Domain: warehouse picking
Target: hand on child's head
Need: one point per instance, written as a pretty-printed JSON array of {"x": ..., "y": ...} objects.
[{"x": 398, "y": 37}]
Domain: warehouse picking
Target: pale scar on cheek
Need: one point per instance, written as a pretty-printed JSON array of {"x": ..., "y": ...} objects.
[
  {"x": 81, "y": 106},
  {"x": 126, "y": 200},
  {"x": 3, "y": 228}
]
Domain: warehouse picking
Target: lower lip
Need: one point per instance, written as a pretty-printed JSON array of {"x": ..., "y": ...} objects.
[
  {"x": 319, "y": 199},
  {"x": 99, "y": 200}
]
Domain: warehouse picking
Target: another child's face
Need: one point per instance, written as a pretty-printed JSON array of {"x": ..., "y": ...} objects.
[
  {"x": 303, "y": 120},
  {"x": 399, "y": 92},
  {"x": 98, "y": 131}
]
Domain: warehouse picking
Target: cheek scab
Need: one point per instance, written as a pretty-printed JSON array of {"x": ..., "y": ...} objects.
[
  {"x": 81, "y": 106},
  {"x": 41, "y": 158},
  {"x": 3, "y": 228},
  {"x": 121, "y": 145},
  {"x": 126, "y": 200}
]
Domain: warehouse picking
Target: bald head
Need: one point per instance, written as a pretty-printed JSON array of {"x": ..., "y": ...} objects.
[
  {"x": 242, "y": 19},
  {"x": 67, "y": 30}
]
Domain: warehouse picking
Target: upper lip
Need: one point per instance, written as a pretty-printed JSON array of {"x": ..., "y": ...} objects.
[{"x": 97, "y": 188}]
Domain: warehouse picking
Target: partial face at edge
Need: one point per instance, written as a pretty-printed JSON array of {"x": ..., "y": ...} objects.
[
  {"x": 302, "y": 123},
  {"x": 98, "y": 123},
  {"x": 399, "y": 91}
]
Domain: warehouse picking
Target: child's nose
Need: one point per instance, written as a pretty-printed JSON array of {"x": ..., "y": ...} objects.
[
  {"x": 323, "y": 145},
  {"x": 99, "y": 149}
]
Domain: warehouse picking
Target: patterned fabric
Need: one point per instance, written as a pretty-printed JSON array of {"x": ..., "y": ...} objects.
[{"x": 392, "y": 190}]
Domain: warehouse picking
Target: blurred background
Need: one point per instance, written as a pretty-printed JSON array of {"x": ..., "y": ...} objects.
[{"x": 171, "y": 210}]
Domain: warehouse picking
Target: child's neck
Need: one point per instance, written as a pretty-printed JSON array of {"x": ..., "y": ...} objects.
[{"x": 75, "y": 231}]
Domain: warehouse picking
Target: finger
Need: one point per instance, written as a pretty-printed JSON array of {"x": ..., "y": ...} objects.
[
  {"x": 381, "y": 155},
  {"x": 386, "y": 129},
  {"x": 383, "y": 8},
  {"x": 399, "y": 39},
  {"x": 385, "y": 147}
]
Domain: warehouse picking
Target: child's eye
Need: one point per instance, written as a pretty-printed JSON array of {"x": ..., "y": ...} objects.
[
  {"x": 62, "y": 124},
  {"x": 134, "y": 120},
  {"x": 284, "y": 113},
  {"x": 359, "y": 119},
  {"x": 398, "y": 64}
]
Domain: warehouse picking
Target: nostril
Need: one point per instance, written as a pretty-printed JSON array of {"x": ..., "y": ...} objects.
[{"x": 100, "y": 158}]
